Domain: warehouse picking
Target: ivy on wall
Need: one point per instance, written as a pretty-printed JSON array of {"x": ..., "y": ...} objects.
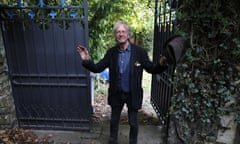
[{"x": 207, "y": 84}]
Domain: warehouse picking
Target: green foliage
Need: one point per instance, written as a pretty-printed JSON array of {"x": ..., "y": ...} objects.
[
  {"x": 209, "y": 77},
  {"x": 103, "y": 14},
  {"x": 100, "y": 87}
]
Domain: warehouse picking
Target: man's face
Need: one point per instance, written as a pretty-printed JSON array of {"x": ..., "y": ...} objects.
[{"x": 121, "y": 34}]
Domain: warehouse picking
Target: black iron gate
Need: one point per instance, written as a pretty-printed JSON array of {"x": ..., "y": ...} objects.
[
  {"x": 51, "y": 89},
  {"x": 165, "y": 12}
]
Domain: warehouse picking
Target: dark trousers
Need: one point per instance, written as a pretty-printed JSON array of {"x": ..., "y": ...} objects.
[{"x": 121, "y": 99}]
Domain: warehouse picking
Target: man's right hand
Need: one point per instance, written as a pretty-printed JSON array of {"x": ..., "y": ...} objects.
[{"x": 83, "y": 52}]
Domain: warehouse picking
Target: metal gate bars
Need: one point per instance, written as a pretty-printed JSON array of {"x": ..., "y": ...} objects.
[
  {"x": 51, "y": 89},
  {"x": 164, "y": 28}
]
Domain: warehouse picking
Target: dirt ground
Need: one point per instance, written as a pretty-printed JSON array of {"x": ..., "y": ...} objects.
[{"x": 102, "y": 111}]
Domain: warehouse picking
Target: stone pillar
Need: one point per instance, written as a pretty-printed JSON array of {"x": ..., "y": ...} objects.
[{"x": 7, "y": 108}]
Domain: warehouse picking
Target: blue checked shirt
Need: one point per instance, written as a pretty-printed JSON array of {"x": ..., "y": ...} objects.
[{"x": 123, "y": 81}]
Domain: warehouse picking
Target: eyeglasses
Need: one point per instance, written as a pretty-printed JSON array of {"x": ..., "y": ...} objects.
[{"x": 120, "y": 32}]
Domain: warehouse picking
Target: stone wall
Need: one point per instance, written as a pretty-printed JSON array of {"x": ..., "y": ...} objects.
[{"x": 7, "y": 108}]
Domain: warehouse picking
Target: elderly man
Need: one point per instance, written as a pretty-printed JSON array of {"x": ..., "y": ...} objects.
[{"x": 126, "y": 62}]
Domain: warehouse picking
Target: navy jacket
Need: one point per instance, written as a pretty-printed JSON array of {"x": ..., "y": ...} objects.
[{"x": 139, "y": 60}]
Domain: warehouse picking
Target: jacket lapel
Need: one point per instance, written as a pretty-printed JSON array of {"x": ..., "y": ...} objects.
[
  {"x": 133, "y": 57},
  {"x": 115, "y": 58}
]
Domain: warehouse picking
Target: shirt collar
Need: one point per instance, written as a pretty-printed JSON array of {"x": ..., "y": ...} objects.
[{"x": 128, "y": 48}]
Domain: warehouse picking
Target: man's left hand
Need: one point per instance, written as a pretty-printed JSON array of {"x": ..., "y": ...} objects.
[{"x": 163, "y": 60}]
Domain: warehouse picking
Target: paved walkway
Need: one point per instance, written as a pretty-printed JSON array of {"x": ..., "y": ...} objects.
[{"x": 148, "y": 134}]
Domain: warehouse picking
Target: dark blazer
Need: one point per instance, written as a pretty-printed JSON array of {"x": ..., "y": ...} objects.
[{"x": 139, "y": 60}]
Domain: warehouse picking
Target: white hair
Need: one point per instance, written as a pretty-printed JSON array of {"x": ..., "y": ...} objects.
[{"x": 121, "y": 23}]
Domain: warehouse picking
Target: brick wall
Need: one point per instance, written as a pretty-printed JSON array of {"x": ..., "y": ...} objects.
[{"x": 7, "y": 108}]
